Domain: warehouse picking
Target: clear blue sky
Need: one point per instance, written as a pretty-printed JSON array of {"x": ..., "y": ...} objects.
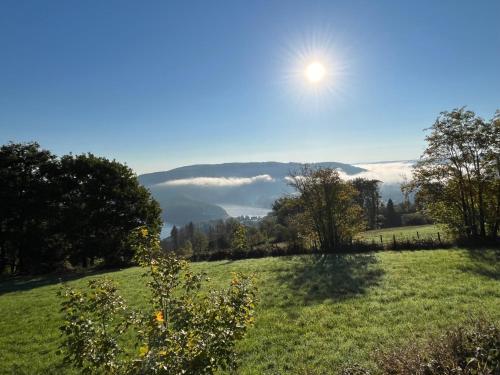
[{"x": 168, "y": 83}]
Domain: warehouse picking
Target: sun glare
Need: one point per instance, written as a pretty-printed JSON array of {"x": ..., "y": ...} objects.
[
  {"x": 315, "y": 72},
  {"x": 316, "y": 68}
]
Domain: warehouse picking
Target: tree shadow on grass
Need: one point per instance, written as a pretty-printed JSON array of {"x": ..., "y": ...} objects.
[
  {"x": 485, "y": 262},
  {"x": 333, "y": 277},
  {"x": 25, "y": 283}
]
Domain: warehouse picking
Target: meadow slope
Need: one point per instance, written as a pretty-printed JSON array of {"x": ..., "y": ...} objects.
[{"x": 314, "y": 314}]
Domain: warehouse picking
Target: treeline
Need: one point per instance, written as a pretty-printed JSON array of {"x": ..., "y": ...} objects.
[
  {"x": 403, "y": 214},
  {"x": 69, "y": 210},
  {"x": 286, "y": 223},
  {"x": 220, "y": 235}
]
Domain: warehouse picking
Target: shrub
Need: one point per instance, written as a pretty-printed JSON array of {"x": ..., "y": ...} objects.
[
  {"x": 415, "y": 218},
  {"x": 472, "y": 349},
  {"x": 184, "y": 330}
]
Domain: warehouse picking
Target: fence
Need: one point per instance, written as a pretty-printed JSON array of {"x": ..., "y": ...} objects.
[
  {"x": 408, "y": 239},
  {"x": 362, "y": 245}
]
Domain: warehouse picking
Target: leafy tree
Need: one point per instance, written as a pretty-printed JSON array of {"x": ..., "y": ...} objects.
[
  {"x": 103, "y": 201},
  {"x": 183, "y": 331},
  {"x": 239, "y": 238},
  {"x": 75, "y": 208},
  {"x": 368, "y": 199},
  {"x": 200, "y": 242},
  {"x": 457, "y": 176},
  {"x": 186, "y": 250},
  {"x": 28, "y": 208},
  {"x": 329, "y": 205}
]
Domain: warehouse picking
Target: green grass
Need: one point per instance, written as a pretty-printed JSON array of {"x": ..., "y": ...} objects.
[
  {"x": 405, "y": 233},
  {"x": 314, "y": 314}
]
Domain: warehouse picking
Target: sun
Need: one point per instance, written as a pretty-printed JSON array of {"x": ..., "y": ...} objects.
[
  {"x": 316, "y": 67},
  {"x": 315, "y": 72}
]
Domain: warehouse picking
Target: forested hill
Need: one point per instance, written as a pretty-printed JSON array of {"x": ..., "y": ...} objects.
[
  {"x": 199, "y": 192},
  {"x": 251, "y": 169}
]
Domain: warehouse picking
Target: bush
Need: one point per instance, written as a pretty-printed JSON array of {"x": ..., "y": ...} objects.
[
  {"x": 472, "y": 349},
  {"x": 184, "y": 331},
  {"x": 415, "y": 218}
]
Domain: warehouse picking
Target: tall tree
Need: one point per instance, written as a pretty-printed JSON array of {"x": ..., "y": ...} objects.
[
  {"x": 75, "y": 207},
  {"x": 457, "y": 177},
  {"x": 174, "y": 235},
  {"x": 392, "y": 218},
  {"x": 369, "y": 199},
  {"x": 331, "y": 205},
  {"x": 27, "y": 216},
  {"x": 103, "y": 201}
]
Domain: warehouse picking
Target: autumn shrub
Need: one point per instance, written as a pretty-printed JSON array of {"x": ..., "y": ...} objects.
[
  {"x": 469, "y": 349},
  {"x": 184, "y": 329}
]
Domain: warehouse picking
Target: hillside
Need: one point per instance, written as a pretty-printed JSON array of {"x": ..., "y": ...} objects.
[
  {"x": 196, "y": 192},
  {"x": 250, "y": 169},
  {"x": 199, "y": 192},
  {"x": 312, "y": 317}
]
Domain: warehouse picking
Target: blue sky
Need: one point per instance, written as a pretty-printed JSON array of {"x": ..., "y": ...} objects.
[{"x": 169, "y": 83}]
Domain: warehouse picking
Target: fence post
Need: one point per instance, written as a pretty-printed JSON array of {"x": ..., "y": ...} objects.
[
  {"x": 381, "y": 240},
  {"x": 418, "y": 237},
  {"x": 439, "y": 238},
  {"x": 394, "y": 240}
]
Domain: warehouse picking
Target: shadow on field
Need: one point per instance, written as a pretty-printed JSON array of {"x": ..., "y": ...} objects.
[
  {"x": 25, "y": 283},
  {"x": 485, "y": 262},
  {"x": 335, "y": 277}
]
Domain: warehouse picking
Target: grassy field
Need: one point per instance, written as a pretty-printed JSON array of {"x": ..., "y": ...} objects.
[
  {"x": 314, "y": 314},
  {"x": 404, "y": 233}
]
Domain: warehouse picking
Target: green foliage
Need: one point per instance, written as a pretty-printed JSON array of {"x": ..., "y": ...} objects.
[
  {"x": 330, "y": 210},
  {"x": 76, "y": 208},
  {"x": 368, "y": 199},
  {"x": 457, "y": 179},
  {"x": 184, "y": 331},
  {"x": 391, "y": 217},
  {"x": 239, "y": 238},
  {"x": 93, "y": 320},
  {"x": 210, "y": 237}
]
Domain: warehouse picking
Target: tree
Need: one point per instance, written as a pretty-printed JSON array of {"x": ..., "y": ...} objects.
[
  {"x": 76, "y": 208},
  {"x": 457, "y": 177},
  {"x": 392, "y": 218},
  {"x": 190, "y": 231},
  {"x": 103, "y": 201},
  {"x": 369, "y": 200},
  {"x": 28, "y": 208},
  {"x": 239, "y": 238},
  {"x": 329, "y": 204},
  {"x": 200, "y": 242},
  {"x": 174, "y": 235}
]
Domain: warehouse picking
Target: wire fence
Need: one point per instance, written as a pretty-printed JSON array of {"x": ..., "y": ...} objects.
[{"x": 393, "y": 239}]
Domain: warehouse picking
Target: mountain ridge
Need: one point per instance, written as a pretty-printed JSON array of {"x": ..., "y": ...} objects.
[
  {"x": 197, "y": 192},
  {"x": 238, "y": 169}
]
